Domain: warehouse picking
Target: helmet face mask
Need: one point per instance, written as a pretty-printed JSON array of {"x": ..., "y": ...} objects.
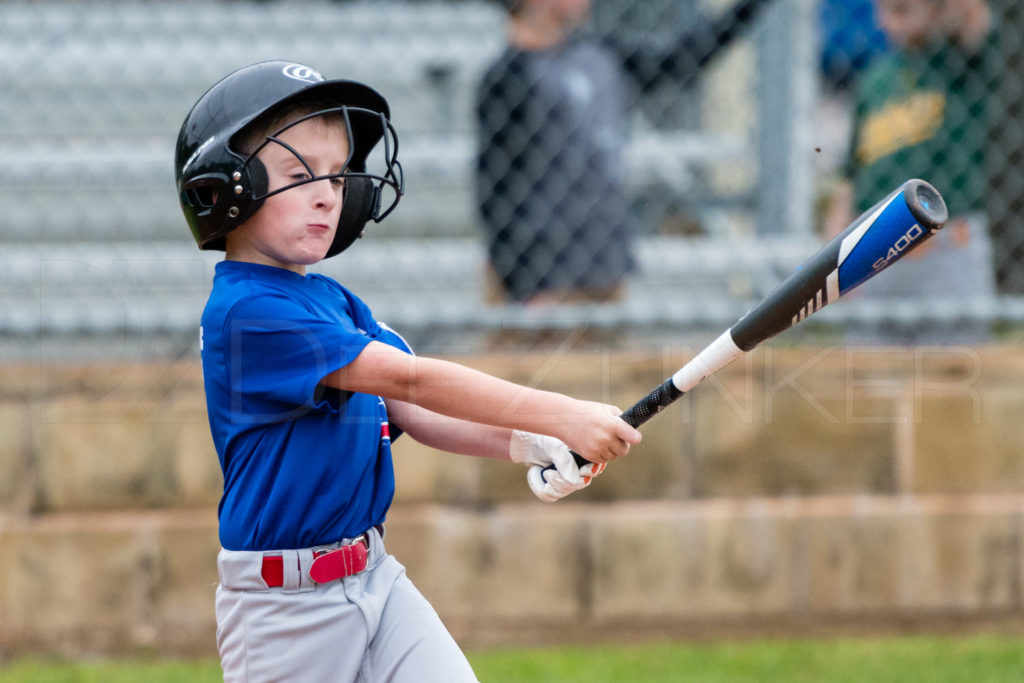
[
  {"x": 221, "y": 185},
  {"x": 393, "y": 170}
]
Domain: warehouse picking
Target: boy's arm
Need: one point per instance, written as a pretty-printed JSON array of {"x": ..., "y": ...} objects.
[
  {"x": 457, "y": 391},
  {"x": 537, "y": 452},
  {"x": 448, "y": 433}
]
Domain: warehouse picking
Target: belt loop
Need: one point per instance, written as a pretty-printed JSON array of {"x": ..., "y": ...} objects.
[
  {"x": 375, "y": 541},
  {"x": 306, "y": 583},
  {"x": 290, "y": 579}
]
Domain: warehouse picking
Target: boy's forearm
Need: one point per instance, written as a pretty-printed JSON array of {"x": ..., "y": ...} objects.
[
  {"x": 454, "y": 390},
  {"x": 471, "y": 395},
  {"x": 450, "y": 434}
]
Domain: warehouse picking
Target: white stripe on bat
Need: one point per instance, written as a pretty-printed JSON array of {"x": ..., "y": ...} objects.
[{"x": 851, "y": 240}]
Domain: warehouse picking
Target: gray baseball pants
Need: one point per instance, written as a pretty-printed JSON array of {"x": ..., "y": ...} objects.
[{"x": 372, "y": 626}]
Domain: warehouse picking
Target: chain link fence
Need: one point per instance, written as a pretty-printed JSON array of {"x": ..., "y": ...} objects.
[{"x": 643, "y": 184}]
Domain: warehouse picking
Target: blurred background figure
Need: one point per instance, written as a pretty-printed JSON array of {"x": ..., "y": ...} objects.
[
  {"x": 552, "y": 113},
  {"x": 922, "y": 110}
]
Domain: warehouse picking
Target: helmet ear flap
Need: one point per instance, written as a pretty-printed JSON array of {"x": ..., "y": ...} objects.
[
  {"x": 228, "y": 201},
  {"x": 253, "y": 174},
  {"x": 257, "y": 177},
  {"x": 360, "y": 204}
]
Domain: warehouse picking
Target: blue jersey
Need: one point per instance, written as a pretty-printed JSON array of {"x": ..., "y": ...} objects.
[{"x": 303, "y": 464}]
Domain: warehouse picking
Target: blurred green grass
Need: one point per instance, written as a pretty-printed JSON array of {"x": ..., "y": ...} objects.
[{"x": 919, "y": 659}]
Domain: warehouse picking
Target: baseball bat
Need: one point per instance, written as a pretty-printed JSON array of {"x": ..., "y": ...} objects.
[{"x": 878, "y": 238}]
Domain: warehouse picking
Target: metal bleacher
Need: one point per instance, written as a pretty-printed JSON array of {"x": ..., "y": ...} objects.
[
  {"x": 95, "y": 93},
  {"x": 94, "y": 246}
]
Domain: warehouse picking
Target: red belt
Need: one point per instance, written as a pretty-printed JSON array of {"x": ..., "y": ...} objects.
[{"x": 328, "y": 565}]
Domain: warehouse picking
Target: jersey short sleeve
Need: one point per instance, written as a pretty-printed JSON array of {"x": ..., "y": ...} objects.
[{"x": 278, "y": 351}]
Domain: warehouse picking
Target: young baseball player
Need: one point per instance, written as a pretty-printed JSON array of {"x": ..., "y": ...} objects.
[{"x": 305, "y": 390}]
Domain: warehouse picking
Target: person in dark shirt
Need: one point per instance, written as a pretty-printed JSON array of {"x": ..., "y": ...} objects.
[{"x": 552, "y": 114}]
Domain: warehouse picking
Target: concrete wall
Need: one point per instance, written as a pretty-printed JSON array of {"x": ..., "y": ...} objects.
[{"x": 797, "y": 489}]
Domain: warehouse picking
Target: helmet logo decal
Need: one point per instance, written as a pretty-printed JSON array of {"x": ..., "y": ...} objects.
[
  {"x": 301, "y": 72},
  {"x": 195, "y": 154}
]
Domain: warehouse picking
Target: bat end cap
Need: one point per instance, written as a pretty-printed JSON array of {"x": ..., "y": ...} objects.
[{"x": 926, "y": 204}]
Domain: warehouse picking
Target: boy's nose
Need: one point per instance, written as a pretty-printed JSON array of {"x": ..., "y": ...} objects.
[{"x": 326, "y": 194}]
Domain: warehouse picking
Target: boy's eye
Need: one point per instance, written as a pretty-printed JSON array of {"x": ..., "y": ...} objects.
[{"x": 337, "y": 182}]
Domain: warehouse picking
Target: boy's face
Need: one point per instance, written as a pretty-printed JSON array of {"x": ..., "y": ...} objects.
[
  {"x": 911, "y": 23},
  {"x": 295, "y": 228}
]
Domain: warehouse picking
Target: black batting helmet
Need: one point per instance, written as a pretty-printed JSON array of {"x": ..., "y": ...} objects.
[{"x": 221, "y": 185}]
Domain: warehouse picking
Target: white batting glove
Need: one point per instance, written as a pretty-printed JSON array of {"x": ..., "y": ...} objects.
[
  {"x": 539, "y": 452},
  {"x": 551, "y": 486},
  {"x": 537, "y": 449}
]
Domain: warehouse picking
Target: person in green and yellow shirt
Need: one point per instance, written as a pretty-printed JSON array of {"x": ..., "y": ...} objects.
[{"x": 922, "y": 111}]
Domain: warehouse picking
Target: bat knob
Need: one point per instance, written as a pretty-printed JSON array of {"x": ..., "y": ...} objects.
[{"x": 926, "y": 204}]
